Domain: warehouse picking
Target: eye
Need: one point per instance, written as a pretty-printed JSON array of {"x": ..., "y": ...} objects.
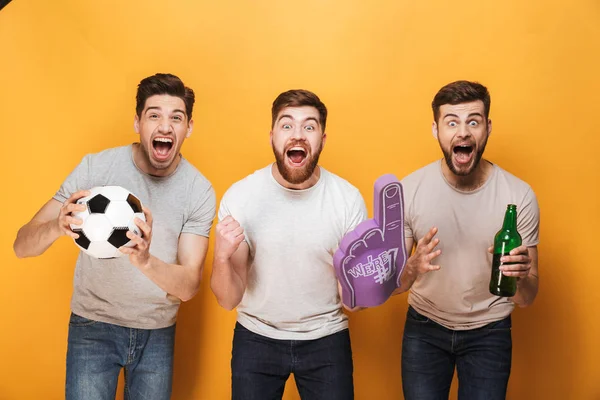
[
  {"x": 286, "y": 126},
  {"x": 309, "y": 128},
  {"x": 452, "y": 124},
  {"x": 473, "y": 123},
  {"x": 153, "y": 116},
  {"x": 178, "y": 118}
]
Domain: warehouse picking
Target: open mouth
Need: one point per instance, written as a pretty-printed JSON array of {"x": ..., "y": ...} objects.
[
  {"x": 162, "y": 147},
  {"x": 297, "y": 156},
  {"x": 463, "y": 153}
]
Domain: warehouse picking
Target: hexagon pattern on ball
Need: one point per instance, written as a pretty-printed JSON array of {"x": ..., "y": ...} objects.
[
  {"x": 109, "y": 215},
  {"x": 82, "y": 240}
]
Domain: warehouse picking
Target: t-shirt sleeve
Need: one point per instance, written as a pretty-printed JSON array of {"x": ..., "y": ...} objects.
[
  {"x": 528, "y": 219},
  {"x": 224, "y": 208},
  {"x": 227, "y": 205},
  {"x": 358, "y": 212},
  {"x": 203, "y": 213},
  {"x": 78, "y": 179}
]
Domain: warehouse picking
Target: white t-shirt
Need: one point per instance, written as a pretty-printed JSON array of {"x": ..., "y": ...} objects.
[{"x": 292, "y": 291}]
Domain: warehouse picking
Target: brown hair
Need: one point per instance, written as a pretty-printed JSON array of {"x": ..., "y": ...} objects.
[
  {"x": 299, "y": 98},
  {"x": 461, "y": 92},
  {"x": 164, "y": 84}
]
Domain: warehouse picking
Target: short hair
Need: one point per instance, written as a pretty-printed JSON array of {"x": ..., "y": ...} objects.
[
  {"x": 164, "y": 84},
  {"x": 299, "y": 98},
  {"x": 461, "y": 92}
]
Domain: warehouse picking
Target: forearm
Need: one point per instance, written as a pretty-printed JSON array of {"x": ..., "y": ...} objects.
[
  {"x": 527, "y": 289},
  {"x": 226, "y": 284},
  {"x": 407, "y": 279},
  {"x": 35, "y": 238},
  {"x": 180, "y": 281}
]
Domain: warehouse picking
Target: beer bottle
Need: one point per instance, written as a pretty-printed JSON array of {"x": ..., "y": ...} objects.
[{"x": 505, "y": 240}]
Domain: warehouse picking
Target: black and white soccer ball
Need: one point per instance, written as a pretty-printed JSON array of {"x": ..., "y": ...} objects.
[{"x": 109, "y": 214}]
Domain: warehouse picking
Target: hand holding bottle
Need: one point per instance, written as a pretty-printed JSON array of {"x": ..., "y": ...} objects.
[
  {"x": 516, "y": 264},
  {"x": 507, "y": 250}
]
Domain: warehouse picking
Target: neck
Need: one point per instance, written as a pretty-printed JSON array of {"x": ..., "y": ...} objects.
[
  {"x": 142, "y": 161},
  {"x": 310, "y": 182},
  {"x": 468, "y": 183}
]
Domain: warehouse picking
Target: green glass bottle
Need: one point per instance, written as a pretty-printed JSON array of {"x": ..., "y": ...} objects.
[{"x": 505, "y": 240}]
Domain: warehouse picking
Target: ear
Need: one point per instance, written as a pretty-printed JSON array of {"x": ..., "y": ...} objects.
[
  {"x": 190, "y": 129},
  {"x": 489, "y": 127},
  {"x": 136, "y": 124},
  {"x": 271, "y": 136},
  {"x": 323, "y": 139},
  {"x": 434, "y": 129}
]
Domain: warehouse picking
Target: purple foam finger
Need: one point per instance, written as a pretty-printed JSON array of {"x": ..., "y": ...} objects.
[
  {"x": 372, "y": 256},
  {"x": 389, "y": 211},
  {"x": 392, "y": 214},
  {"x": 355, "y": 245},
  {"x": 349, "y": 243},
  {"x": 338, "y": 260}
]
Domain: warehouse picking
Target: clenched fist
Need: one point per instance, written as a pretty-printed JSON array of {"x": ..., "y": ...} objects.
[{"x": 229, "y": 236}]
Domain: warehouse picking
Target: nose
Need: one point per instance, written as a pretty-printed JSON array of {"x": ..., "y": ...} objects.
[
  {"x": 464, "y": 131},
  {"x": 298, "y": 133},
  {"x": 164, "y": 126}
]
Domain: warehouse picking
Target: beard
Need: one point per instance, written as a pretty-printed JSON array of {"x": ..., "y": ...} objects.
[
  {"x": 296, "y": 176},
  {"x": 464, "y": 170}
]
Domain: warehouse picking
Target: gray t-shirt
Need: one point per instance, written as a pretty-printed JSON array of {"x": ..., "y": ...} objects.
[
  {"x": 113, "y": 290},
  {"x": 457, "y": 296},
  {"x": 292, "y": 291}
]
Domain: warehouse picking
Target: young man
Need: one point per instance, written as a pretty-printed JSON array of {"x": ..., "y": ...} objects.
[
  {"x": 273, "y": 260},
  {"x": 453, "y": 320},
  {"x": 124, "y": 309}
]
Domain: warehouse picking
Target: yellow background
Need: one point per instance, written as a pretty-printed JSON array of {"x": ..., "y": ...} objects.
[{"x": 68, "y": 73}]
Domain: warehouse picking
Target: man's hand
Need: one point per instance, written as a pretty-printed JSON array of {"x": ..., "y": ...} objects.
[
  {"x": 65, "y": 217},
  {"x": 517, "y": 264},
  {"x": 230, "y": 263},
  {"x": 139, "y": 254},
  {"x": 420, "y": 262},
  {"x": 229, "y": 236}
]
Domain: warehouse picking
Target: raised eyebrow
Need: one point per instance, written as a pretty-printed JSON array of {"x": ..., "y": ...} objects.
[
  {"x": 292, "y": 118},
  {"x": 450, "y": 115},
  {"x": 152, "y": 108},
  {"x": 284, "y": 116},
  {"x": 177, "y": 110},
  {"x": 469, "y": 116}
]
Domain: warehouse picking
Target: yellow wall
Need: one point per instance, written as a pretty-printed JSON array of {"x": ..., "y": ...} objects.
[{"x": 68, "y": 73}]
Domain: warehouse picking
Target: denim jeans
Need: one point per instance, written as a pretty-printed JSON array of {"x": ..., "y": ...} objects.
[
  {"x": 97, "y": 351},
  {"x": 260, "y": 366},
  {"x": 430, "y": 353}
]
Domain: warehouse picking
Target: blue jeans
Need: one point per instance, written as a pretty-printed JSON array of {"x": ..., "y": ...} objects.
[
  {"x": 97, "y": 351},
  {"x": 260, "y": 366},
  {"x": 430, "y": 352}
]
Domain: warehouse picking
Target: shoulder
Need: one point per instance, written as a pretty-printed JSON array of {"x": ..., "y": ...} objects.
[
  {"x": 110, "y": 154},
  {"x": 338, "y": 184},
  {"x": 248, "y": 185},
  {"x": 425, "y": 179},
  {"x": 341, "y": 192},
  {"x": 422, "y": 174},
  {"x": 515, "y": 185},
  {"x": 191, "y": 174}
]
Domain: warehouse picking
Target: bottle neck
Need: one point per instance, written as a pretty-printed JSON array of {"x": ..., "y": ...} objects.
[{"x": 510, "y": 219}]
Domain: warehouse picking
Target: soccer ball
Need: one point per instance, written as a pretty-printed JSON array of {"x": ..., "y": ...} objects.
[{"x": 109, "y": 214}]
